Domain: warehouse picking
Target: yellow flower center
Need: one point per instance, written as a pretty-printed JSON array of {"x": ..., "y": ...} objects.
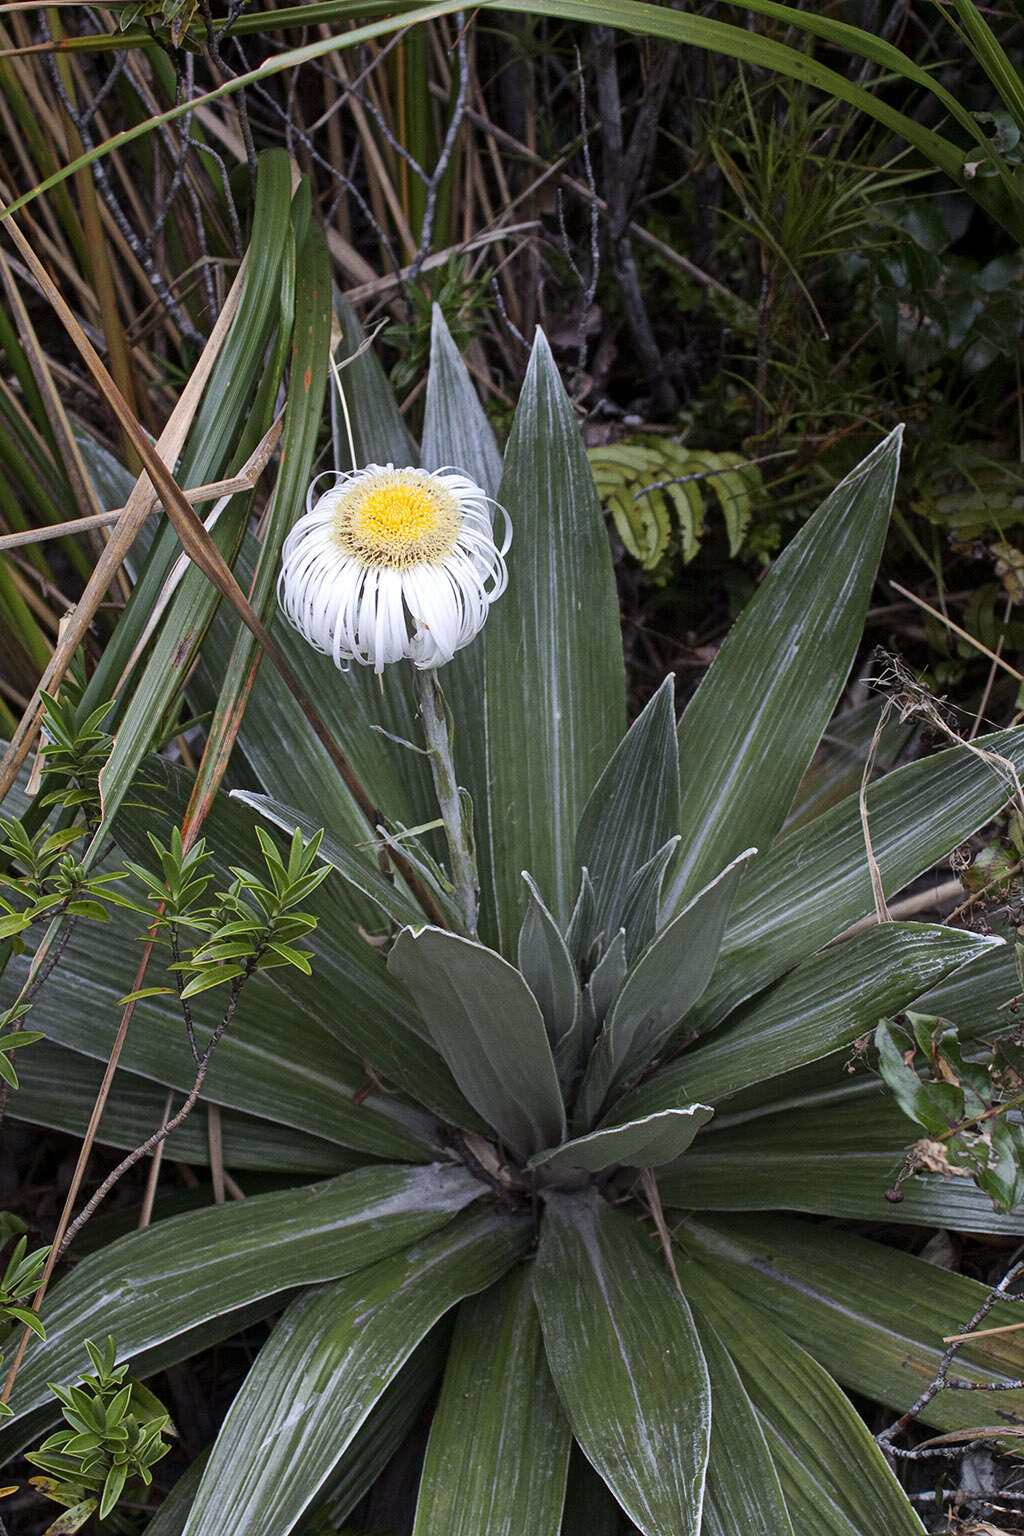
[{"x": 397, "y": 518}]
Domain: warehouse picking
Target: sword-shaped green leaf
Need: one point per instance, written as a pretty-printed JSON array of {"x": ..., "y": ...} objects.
[
  {"x": 805, "y": 1417},
  {"x": 830, "y": 1158},
  {"x": 815, "y": 882},
  {"x": 499, "y": 1443},
  {"x": 821, "y": 1005},
  {"x": 325, "y": 1366},
  {"x": 457, "y": 435},
  {"x": 626, "y": 1360},
  {"x": 555, "y": 696},
  {"x": 844, "y": 1300},
  {"x": 176, "y": 1274},
  {"x": 750, "y": 730}
]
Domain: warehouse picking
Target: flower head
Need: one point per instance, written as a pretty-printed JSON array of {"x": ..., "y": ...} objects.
[{"x": 393, "y": 562}]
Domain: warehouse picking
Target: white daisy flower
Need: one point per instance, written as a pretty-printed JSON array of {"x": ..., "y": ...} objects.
[{"x": 391, "y": 563}]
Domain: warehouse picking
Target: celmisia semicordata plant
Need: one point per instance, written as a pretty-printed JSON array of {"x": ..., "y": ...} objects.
[
  {"x": 553, "y": 1147},
  {"x": 389, "y": 563}
]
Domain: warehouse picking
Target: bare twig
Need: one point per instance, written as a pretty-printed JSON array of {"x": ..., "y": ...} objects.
[
  {"x": 941, "y": 1381},
  {"x": 454, "y": 124}
]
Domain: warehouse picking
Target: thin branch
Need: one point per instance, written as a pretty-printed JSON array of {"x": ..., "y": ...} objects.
[
  {"x": 941, "y": 1381},
  {"x": 454, "y": 124}
]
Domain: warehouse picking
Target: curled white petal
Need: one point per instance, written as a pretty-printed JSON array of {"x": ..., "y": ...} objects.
[{"x": 390, "y": 563}]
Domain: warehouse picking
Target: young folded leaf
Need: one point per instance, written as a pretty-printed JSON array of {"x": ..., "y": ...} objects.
[
  {"x": 489, "y": 1029},
  {"x": 640, "y": 1144},
  {"x": 550, "y": 974},
  {"x": 659, "y": 991}
]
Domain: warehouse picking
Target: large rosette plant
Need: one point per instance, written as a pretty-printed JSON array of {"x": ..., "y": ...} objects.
[{"x": 550, "y": 1160}]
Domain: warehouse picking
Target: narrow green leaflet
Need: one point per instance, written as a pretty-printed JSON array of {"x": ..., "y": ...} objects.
[
  {"x": 661, "y": 988},
  {"x": 349, "y": 995},
  {"x": 742, "y": 1496},
  {"x": 549, "y": 972},
  {"x": 626, "y": 1360},
  {"x": 815, "y": 883},
  {"x": 640, "y": 1144},
  {"x": 555, "y": 705},
  {"x": 275, "y": 1062},
  {"x": 351, "y": 863},
  {"x": 821, "y": 1005},
  {"x": 489, "y": 1029},
  {"x": 633, "y": 808},
  {"x": 641, "y": 908},
  {"x": 59, "y": 1089},
  {"x": 603, "y": 987},
  {"x": 325, "y": 1366},
  {"x": 805, "y": 1417},
  {"x": 844, "y": 1299},
  {"x": 176, "y": 1274},
  {"x": 499, "y": 1444},
  {"x": 773, "y": 685},
  {"x": 834, "y": 1159}
]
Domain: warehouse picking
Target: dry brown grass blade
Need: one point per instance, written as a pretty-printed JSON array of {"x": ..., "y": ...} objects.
[
  {"x": 137, "y": 510},
  {"x": 54, "y": 406},
  {"x": 196, "y": 496},
  {"x": 202, "y": 551}
]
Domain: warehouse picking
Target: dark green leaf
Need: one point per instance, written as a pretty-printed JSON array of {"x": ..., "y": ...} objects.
[
  {"x": 489, "y": 1029},
  {"x": 626, "y": 1361},
  {"x": 327, "y": 1364},
  {"x": 555, "y": 694},
  {"x": 844, "y": 1299},
  {"x": 499, "y": 1444},
  {"x": 773, "y": 685},
  {"x": 742, "y": 1494},
  {"x": 805, "y": 1418}
]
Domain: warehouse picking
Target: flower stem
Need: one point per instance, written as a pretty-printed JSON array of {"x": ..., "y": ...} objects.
[{"x": 434, "y": 714}]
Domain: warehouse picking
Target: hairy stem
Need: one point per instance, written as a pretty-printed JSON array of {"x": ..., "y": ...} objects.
[{"x": 434, "y": 714}]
